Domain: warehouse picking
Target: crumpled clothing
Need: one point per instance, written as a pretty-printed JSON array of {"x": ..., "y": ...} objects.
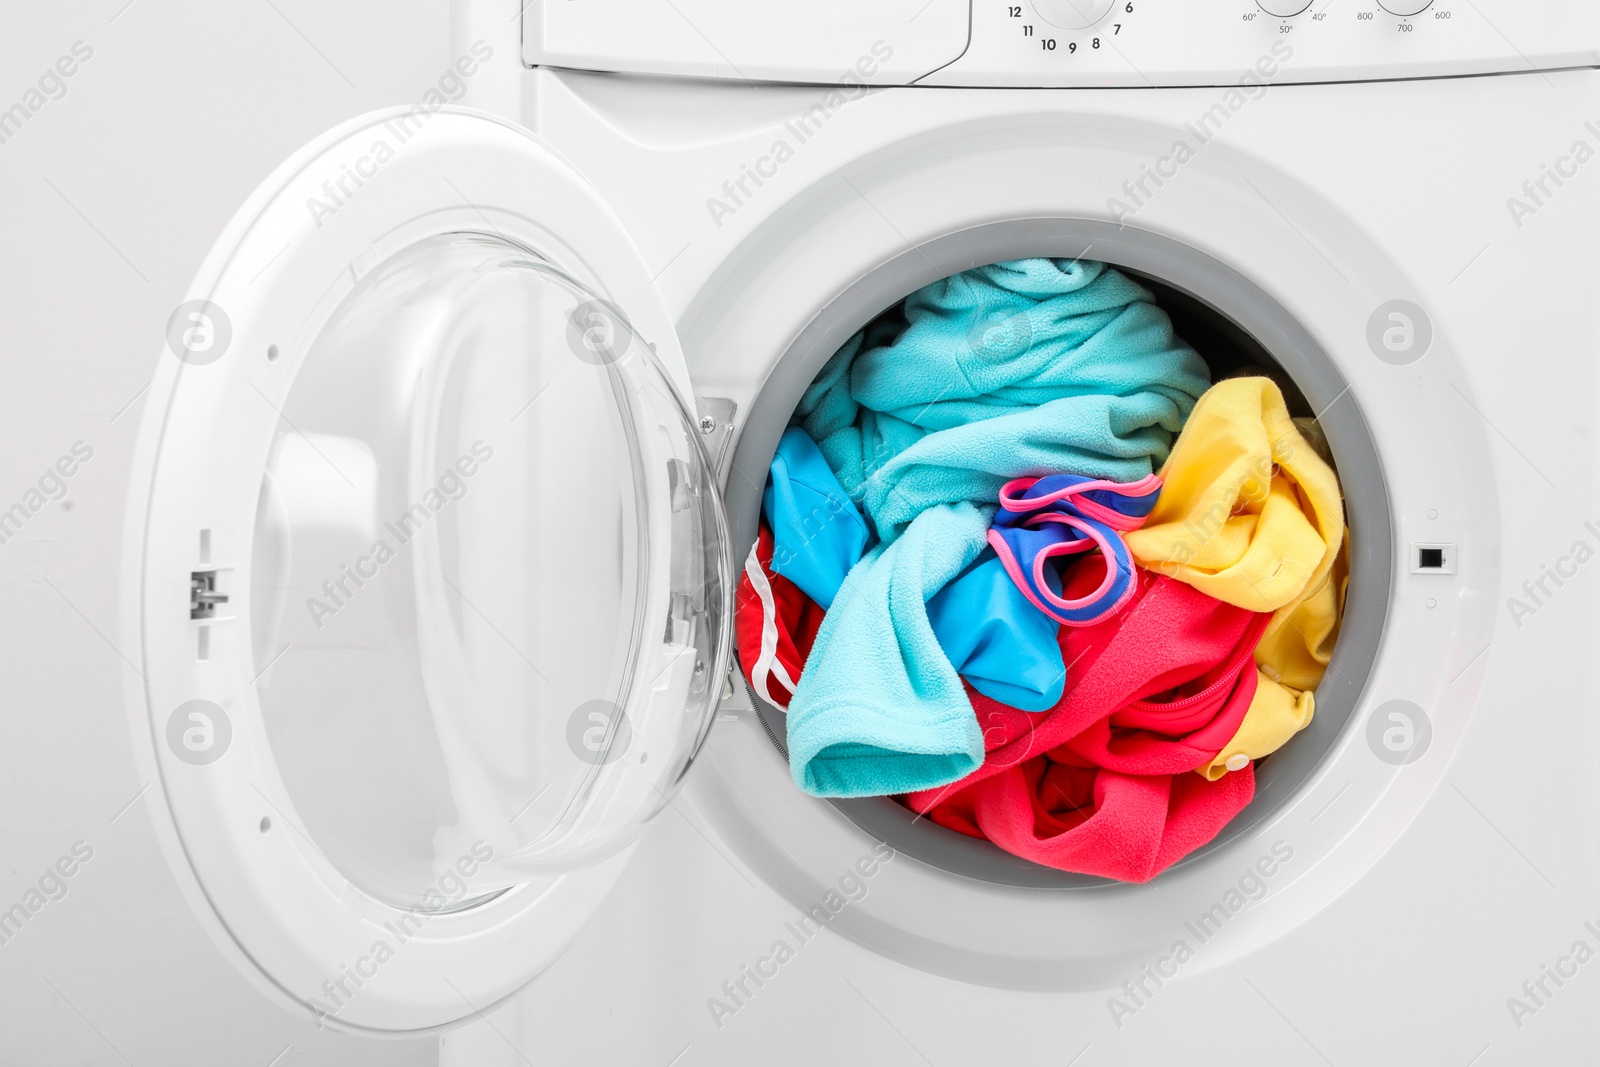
[
  {"x": 1252, "y": 514},
  {"x": 818, "y": 532},
  {"x": 1094, "y": 821},
  {"x": 1000, "y": 645},
  {"x": 1152, "y": 693},
  {"x": 1291, "y": 659},
  {"x": 1249, "y": 512},
  {"x": 1022, "y": 368},
  {"x": 986, "y": 627},
  {"x": 1003, "y": 371},
  {"x": 774, "y": 625},
  {"x": 880, "y": 709}
]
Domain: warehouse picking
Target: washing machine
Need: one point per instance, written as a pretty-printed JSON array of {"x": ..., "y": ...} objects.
[{"x": 453, "y": 450}]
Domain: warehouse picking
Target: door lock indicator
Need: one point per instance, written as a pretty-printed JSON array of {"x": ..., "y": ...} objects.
[{"x": 1433, "y": 559}]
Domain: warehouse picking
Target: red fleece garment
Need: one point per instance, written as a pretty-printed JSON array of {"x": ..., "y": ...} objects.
[
  {"x": 1124, "y": 826},
  {"x": 774, "y": 625},
  {"x": 1100, "y": 783},
  {"x": 1158, "y": 688}
]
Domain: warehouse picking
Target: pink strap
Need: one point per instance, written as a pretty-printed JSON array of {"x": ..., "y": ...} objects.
[{"x": 1011, "y": 497}]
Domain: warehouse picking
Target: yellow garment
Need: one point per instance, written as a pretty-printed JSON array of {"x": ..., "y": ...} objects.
[
  {"x": 1248, "y": 512},
  {"x": 1251, "y": 514},
  {"x": 1276, "y": 714},
  {"x": 1297, "y": 646},
  {"x": 1290, "y": 661}
]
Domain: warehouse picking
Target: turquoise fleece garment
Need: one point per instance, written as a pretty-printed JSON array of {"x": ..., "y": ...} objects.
[
  {"x": 883, "y": 711},
  {"x": 1031, "y": 367}
]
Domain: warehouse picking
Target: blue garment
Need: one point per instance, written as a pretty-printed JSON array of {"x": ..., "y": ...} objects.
[
  {"x": 1061, "y": 515},
  {"x": 880, "y": 708},
  {"x": 1006, "y": 648},
  {"x": 1022, "y": 368},
  {"x": 818, "y": 534},
  {"x": 996, "y": 639}
]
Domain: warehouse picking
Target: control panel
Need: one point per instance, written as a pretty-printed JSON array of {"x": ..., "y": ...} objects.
[
  {"x": 1216, "y": 42},
  {"x": 1061, "y": 42},
  {"x": 886, "y": 42}
]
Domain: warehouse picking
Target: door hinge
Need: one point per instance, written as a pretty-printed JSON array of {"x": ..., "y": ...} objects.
[{"x": 715, "y": 414}]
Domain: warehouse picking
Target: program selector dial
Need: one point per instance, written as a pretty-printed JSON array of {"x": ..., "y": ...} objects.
[
  {"x": 1073, "y": 14},
  {"x": 1283, "y": 8},
  {"x": 1405, "y": 7}
]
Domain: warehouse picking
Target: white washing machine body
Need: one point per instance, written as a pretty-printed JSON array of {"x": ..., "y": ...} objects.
[
  {"x": 699, "y": 206},
  {"x": 781, "y": 218}
]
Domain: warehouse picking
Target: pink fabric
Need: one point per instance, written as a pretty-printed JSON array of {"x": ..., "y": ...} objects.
[
  {"x": 1013, "y": 498},
  {"x": 1100, "y": 783},
  {"x": 1123, "y": 826}
]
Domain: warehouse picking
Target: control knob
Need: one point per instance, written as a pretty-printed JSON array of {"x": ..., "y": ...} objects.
[
  {"x": 1073, "y": 14},
  {"x": 1405, "y": 7}
]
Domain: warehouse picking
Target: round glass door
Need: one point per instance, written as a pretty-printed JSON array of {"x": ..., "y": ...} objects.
[{"x": 488, "y": 581}]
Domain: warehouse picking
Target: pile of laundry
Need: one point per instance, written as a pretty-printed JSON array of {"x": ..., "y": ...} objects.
[{"x": 1024, "y": 568}]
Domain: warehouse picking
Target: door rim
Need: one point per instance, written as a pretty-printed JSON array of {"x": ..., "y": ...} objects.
[
  {"x": 1227, "y": 293},
  {"x": 276, "y": 908}
]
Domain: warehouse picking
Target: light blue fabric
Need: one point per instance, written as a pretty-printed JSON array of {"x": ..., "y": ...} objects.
[
  {"x": 1006, "y": 648},
  {"x": 1000, "y": 643},
  {"x": 882, "y": 711},
  {"x": 818, "y": 534},
  {"x": 1031, "y": 367}
]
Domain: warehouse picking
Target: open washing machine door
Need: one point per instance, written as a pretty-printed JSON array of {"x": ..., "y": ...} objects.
[{"x": 432, "y": 588}]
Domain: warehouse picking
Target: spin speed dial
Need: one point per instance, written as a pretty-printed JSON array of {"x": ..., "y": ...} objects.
[{"x": 1405, "y": 7}]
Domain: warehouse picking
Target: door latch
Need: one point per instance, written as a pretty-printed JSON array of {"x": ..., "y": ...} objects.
[{"x": 203, "y": 595}]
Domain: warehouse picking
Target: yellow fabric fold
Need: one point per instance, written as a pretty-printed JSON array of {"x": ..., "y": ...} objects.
[
  {"x": 1297, "y": 645},
  {"x": 1276, "y": 714},
  {"x": 1290, "y": 661},
  {"x": 1248, "y": 513}
]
